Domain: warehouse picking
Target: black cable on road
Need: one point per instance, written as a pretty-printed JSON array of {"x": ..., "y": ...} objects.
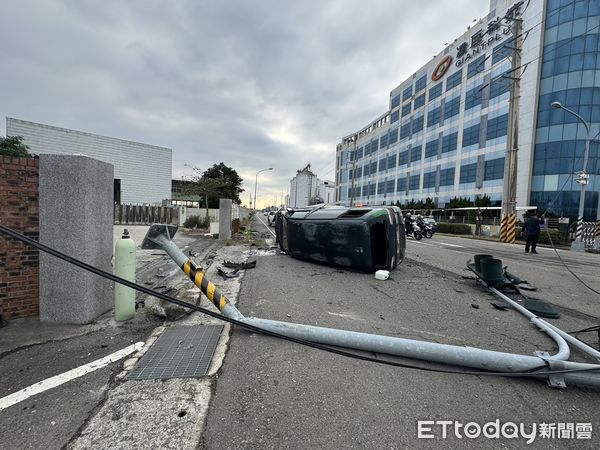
[{"x": 534, "y": 372}]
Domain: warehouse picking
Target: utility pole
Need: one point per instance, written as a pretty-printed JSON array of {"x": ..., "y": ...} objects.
[
  {"x": 354, "y": 138},
  {"x": 509, "y": 191}
]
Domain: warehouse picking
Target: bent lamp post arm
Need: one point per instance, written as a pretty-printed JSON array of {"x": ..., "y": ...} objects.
[{"x": 578, "y": 244}]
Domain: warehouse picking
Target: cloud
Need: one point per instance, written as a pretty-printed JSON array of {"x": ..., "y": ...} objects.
[{"x": 251, "y": 84}]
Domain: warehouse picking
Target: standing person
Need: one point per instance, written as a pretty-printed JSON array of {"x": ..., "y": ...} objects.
[
  {"x": 478, "y": 222},
  {"x": 531, "y": 227}
]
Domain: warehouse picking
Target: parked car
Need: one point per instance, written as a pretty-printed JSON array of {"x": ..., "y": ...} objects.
[
  {"x": 271, "y": 219},
  {"x": 366, "y": 238}
]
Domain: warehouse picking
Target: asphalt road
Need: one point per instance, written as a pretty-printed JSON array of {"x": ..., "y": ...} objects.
[{"x": 275, "y": 394}]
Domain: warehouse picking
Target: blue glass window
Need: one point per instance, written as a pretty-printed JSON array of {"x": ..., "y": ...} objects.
[
  {"x": 405, "y": 131},
  {"x": 476, "y": 66},
  {"x": 374, "y": 145},
  {"x": 359, "y": 153},
  {"x": 366, "y": 170},
  {"x": 473, "y": 97},
  {"x": 431, "y": 148},
  {"x": 367, "y": 149},
  {"x": 403, "y": 158},
  {"x": 454, "y": 80},
  {"x": 396, "y": 101},
  {"x": 499, "y": 86},
  {"x": 389, "y": 186},
  {"x": 373, "y": 168},
  {"x": 449, "y": 142},
  {"x": 421, "y": 83},
  {"x": 434, "y": 116},
  {"x": 447, "y": 177},
  {"x": 497, "y": 127},
  {"x": 393, "y": 136},
  {"x": 428, "y": 180},
  {"x": 391, "y": 163},
  {"x": 394, "y": 117},
  {"x": 382, "y": 164},
  {"x": 383, "y": 141},
  {"x": 451, "y": 108},
  {"x": 407, "y": 93},
  {"x": 415, "y": 154},
  {"x": 358, "y": 172},
  {"x": 471, "y": 135},
  {"x": 419, "y": 101},
  {"x": 417, "y": 124},
  {"x": 406, "y": 110},
  {"x": 468, "y": 173},
  {"x": 413, "y": 183},
  {"x": 372, "y": 189},
  {"x": 381, "y": 187},
  {"x": 500, "y": 52},
  {"x": 401, "y": 185},
  {"x": 494, "y": 169},
  {"x": 435, "y": 91}
]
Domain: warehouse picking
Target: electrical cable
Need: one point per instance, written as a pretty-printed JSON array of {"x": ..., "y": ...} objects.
[{"x": 534, "y": 372}]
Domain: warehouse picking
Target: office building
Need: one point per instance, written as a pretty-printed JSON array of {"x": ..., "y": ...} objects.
[{"x": 448, "y": 127}]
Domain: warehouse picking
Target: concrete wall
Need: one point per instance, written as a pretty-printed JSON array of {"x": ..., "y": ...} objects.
[
  {"x": 144, "y": 170},
  {"x": 76, "y": 218},
  {"x": 19, "y": 264}
]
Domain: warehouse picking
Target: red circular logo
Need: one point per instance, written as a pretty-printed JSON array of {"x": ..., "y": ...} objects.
[{"x": 441, "y": 68}]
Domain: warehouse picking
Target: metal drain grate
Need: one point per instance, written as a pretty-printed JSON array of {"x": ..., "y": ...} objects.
[{"x": 179, "y": 352}]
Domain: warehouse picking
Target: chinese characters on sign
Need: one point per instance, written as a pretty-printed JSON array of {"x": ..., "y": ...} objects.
[{"x": 497, "y": 29}]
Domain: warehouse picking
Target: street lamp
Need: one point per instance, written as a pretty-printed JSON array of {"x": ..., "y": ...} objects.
[
  {"x": 256, "y": 182},
  {"x": 578, "y": 244}
]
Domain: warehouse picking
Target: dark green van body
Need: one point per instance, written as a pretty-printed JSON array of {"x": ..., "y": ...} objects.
[{"x": 367, "y": 238}]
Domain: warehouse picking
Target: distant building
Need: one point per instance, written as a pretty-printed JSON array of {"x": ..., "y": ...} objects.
[
  {"x": 180, "y": 197},
  {"x": 306, "y": 189},
  {"x": 142, "y": 171},
  {"x": 326, "y": 192},
  {"x": 445, "y": 130}
]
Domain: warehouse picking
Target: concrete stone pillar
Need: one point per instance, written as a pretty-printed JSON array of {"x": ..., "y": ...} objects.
[
  {"x": 76, "y": 218},
  {"x": 224, "y": 218}
]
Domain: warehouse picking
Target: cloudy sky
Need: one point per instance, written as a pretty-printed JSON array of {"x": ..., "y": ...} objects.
[{"x": 254, "y": 84}]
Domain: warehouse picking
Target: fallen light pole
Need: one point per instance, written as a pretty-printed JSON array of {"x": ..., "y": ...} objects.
[{"x": 160, "y": 237}]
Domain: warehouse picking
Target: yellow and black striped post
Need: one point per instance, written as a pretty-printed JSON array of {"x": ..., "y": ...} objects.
[
  {"x": 209, "y": 289},
  {"x": 508, "y": 228},
  {"x": 597, "y": 233},
  {"x": 503, "y": 228},
  {"x": 511, "y": 228}
]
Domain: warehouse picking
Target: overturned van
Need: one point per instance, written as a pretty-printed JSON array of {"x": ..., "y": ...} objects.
[{"x": 366, "y": 238}]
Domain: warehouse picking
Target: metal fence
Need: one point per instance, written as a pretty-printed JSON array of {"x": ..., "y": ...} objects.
[{"x": 145, "y": 214}]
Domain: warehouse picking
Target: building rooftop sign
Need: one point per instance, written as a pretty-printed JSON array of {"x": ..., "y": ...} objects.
[{"x": 497, "y": 30}]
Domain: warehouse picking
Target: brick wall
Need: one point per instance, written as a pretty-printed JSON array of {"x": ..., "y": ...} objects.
[{"x": 19, "y": 264}]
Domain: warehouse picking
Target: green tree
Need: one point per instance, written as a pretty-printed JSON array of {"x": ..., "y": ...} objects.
[
  {"x": 219, "y": 181},
  {"x": 483, "y": 201},
  {"x": 229, "y": 181},
  {"x": 13, "y": 146}
]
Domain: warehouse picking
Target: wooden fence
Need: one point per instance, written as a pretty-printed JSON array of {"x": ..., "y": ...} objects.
[{"x": 145, "y": 215}]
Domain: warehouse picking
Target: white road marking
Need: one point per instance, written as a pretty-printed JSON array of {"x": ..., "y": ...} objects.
[
  {"x": 57, "y": 380},
  {"x": 452, "y": 245},
  {"x": 266, "y": 226},
  {"x": 437, "y": 244}
]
